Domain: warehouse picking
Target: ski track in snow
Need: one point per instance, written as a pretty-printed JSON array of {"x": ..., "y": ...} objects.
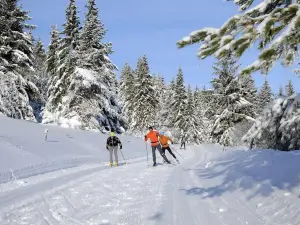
[
  {"x": 187, "y": 194},
  {"x": 95, "y": 195}
]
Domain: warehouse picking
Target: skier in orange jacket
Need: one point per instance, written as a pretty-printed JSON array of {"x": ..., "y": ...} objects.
[
  {"x": 165, "y": 145},
  {"x": 153, "y": 136}
]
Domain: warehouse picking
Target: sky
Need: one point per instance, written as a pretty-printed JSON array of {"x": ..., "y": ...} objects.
[{"x": 138, "y": 27}]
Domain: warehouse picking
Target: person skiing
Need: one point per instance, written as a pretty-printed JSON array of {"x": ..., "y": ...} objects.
[
  {"x": 153, "y": 136},
  {"x": 163, "y": 139},
  {"x": 183, "y": 141},
  {"x": 46, "y": 134},
  {"x": 112, "y": 145}
]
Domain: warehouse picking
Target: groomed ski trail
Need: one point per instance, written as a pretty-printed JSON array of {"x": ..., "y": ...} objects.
[
  {"x": 188, "y": 203},
  {"x": 208, "y": 187},
  {"x": 129, "y": 194}
]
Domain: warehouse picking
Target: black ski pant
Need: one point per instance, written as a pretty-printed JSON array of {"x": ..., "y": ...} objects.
[
  {"x": 182, "y": 144},
  {"x": 158, "y": 147},
  {"x": 170, "y": 151}
]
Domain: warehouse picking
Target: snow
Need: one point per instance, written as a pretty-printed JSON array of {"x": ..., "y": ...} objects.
[
  {"x": 88, "y": 77},
  {"x": 66, "y": 181}
]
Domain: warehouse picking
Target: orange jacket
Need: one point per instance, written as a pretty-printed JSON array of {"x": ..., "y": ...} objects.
[
  {"x": 164, "y": 140},
  {"x": 153, "y": 136}
]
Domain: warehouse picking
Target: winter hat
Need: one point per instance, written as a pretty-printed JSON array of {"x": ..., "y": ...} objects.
[{"x": 112, "y": 130}]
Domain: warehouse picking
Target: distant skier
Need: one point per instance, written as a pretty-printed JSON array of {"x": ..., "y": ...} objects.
[
  {"x": 46, "y": 134},
  {"x": 183, "y": 141},
  {"x": 153, "y": 136},
  {"x": 163, "y": 139},
  {"x": 112, "y": 145}
]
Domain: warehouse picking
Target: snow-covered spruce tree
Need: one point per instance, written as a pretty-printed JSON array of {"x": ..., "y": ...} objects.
[
  {"x": 199, "y": 103},
  {"x": 289, "y": 89},
  {"x": 297, "y": 71},
  {"x": 200, "y": 109},
  {"x": 179, "y": 104},
  {"x": 40, "y": 78},
  {"x": 264, "y": 96},
  {"x": 290, "y": 125},
  {"x": 90, "y": 100},
  {"x": 16, "y": 63},
  {"x": 125, "y": 73},
  {"x": 274, "y": 24},
  {"x": 61, "y": 65},
  {"x": 127, "y": 92},
  {"x": 278, "y": 127},
  {"x": 145, "y": 102},
  {"x": 231, "y": 107},
  {"x": 194, "y": 127},
  {"x": 209, "y": 102},
  {"x": 52, "y": 60},
  {"x": 168, "y": 99},
  {"x": 280, "y": 92},
  {"x": 161, "y": 93},
  {"x": 248, "y": 91},
  {"x": 40, "y": 68},
  {"x": 70, "y": 39}
]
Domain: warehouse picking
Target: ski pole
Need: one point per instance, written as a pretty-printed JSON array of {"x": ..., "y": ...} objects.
[
  {"x": 147, "y": 153},
  {"x": 123, "y": 156},
  {"x": 177, "y": 152}
]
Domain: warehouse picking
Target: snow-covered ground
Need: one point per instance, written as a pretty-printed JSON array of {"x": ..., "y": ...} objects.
[{"x": 66, "y": 181}]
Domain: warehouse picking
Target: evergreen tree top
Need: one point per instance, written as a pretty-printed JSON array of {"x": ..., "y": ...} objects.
[
  {"x": 142, "y": 69},
  {"x": 93, "y": 31},
  {"x": 225, "y": 70},
  {"x": 274, "y": 24},
  {"x": 289, "y": 89},
  {"x": 265, "y": 94},
  {"x": 71, "y": 27},
  {"x": 280, "y": 92},
  {"x": 13, "y": 37}
]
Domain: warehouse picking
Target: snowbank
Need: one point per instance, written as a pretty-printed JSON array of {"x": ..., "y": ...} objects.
[{"x": 24, "y": 151}]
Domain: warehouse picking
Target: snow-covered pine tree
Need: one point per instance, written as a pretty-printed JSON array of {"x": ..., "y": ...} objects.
[
  {"x": 278, "y": 126},
  {"x": 249, "y": 92},
  {"x": 123, "y": 82},
  {"x": 200, "y": 109},
  {"x": 231, "y": 107},
  {"x": 40, "y": 68},
  {"x": 192, "y": 120},
  {"x": 16, "y": 63},
  {"x": 127, "y": 92},
  {"x": 178, "y": 106},
  {"x": 161, "y": 92},
  {"x": 90, "y": 100},
  {"x": 167, "y": 111},
  {"x": 275, "y": 24},
  {"x": 289, "y": 89},
  {"x": 297, "y": 71},
  {"x": 290, "y": 125},
  {"x": 52, "y": 60},
  {"x": 52, "y": 54},
  {"x": 198, "y": 102},
  {"x": 209, "y": 103},
  {"x": 66, "y": 61},
  {"x": 40, "y": 77},
  {"x": 280, "y": 92},
  {"x": 264, "y": 96},
  {"x": 145, "y": 101},
  {"x": 70, "y": 39}
]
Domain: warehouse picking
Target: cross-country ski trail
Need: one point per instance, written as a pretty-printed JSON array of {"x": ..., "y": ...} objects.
[{"x": 197, "y": 191}]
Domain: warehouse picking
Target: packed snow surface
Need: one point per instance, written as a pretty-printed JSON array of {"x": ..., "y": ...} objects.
[{"x": 66, "y": 181}]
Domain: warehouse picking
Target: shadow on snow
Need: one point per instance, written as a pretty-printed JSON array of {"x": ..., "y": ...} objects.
[{"x": 263, "y": 171}]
